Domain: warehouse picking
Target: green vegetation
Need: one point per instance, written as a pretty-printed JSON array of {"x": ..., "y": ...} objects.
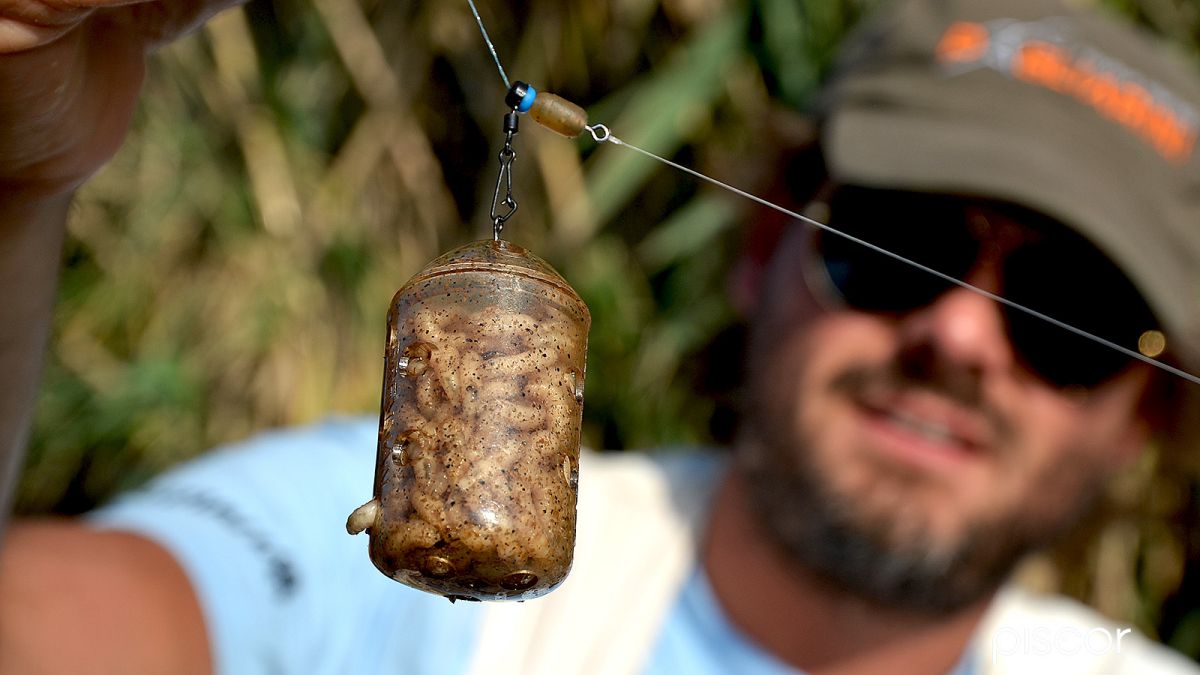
[{"x": 292, "y": 164}]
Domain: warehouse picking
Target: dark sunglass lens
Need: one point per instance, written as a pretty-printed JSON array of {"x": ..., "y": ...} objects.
[
  {"x": 1060, "y": 357},
  {"x": 1076, "y": 284},
  {"x": 871, "y": 281},
  {"x": 925, "y": 229}
]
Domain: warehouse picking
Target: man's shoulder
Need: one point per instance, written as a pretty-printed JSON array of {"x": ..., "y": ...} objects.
[
  {"x": 327, "y": 437},
  {"x": 641, "y": 515},
  {"x": 1030, "y": 632},
  {"x": 679, "y": 481},
  {"x": 259, "y": 528},
  {"x": 683, "y": 464}
]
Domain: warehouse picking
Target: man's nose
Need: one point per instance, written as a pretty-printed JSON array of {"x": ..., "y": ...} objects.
[{"x": 964, "y": 327}]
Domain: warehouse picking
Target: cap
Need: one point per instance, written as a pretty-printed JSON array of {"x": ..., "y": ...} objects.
[{"x": 1074, "y": 114}]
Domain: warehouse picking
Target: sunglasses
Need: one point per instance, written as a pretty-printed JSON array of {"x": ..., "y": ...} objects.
[{"x": 1051, "y": 270}]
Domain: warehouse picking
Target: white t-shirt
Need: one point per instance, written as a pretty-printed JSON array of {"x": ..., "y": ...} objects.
[{"x": 259, "y": 527}]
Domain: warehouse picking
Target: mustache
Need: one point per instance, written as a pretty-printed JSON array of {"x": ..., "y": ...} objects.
[{"x": 926, "y": 368}]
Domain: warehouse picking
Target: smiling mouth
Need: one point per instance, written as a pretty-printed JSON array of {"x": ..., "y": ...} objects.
[
  {"x": 929, "y": 430},
  {"x": 917, "y": 424}
]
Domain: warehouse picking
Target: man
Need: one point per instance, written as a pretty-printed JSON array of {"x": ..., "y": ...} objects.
[{"x": 906, "y": 440}]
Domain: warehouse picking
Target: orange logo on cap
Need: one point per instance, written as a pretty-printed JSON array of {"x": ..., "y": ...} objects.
[
  {"x": 963, "y": 41},
  {"x": 1126, "y": 103},
  {"x": 1111, "y": 92}
]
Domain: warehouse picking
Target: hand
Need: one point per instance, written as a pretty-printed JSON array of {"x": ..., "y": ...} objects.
[{"x": 70, "y": 71}]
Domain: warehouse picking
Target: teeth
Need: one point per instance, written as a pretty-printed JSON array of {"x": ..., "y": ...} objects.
[{"x": 930, "y": 430}]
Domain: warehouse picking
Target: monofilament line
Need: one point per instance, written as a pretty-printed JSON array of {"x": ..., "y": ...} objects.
[
  {"x": 601, "y": 134},
  {"x": 490, "y": 46}
]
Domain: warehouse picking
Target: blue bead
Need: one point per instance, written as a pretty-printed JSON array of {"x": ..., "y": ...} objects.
[{"x": 527, "y": 101}]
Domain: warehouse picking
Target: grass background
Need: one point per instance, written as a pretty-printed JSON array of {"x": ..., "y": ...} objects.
[{"x": 295, "y": 161}]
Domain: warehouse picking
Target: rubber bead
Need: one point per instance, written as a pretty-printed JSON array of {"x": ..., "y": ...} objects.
[
  {"x": 527, "y": 100},
  {"x": 516, "y": 94},
  {"x": 558, "y": 114}
]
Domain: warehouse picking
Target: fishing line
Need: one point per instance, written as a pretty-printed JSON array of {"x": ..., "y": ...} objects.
[
  {"x": 601, "y": 134},
  {"x": 490, "y": 46}
]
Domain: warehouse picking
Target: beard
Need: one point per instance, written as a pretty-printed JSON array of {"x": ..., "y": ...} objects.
[{"x": 874, "y": 544}]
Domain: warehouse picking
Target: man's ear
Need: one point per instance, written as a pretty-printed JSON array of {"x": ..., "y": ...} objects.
[
  {"x": 763, "y": 237},
  {"x": 745, "y": 285},
  {"x": 1154, "y": 416},
  {"x": 1169, "y": 414},
  {"x": 1134, "y": 441},
  {"x": 762, "y": 234}
]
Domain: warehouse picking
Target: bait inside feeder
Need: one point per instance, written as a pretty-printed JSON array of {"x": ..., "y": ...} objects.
[{"x": 476, "y": 475}]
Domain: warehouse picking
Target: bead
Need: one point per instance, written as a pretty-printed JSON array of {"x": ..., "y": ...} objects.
[
  {"x": 527, "y": 100},
  {"x": 558, "y": 114}
]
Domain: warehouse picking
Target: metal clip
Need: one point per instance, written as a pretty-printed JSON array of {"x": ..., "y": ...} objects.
[{"x": 506, "y": 157}]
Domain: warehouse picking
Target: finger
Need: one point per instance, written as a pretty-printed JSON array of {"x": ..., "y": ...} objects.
[{"x": 25, "y": 24}]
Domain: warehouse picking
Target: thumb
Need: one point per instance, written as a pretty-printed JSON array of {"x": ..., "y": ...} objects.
[{"x": 25, "y": 24}]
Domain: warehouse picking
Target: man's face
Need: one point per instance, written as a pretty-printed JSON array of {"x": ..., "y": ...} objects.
[{"x": 911, "y": 457}]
